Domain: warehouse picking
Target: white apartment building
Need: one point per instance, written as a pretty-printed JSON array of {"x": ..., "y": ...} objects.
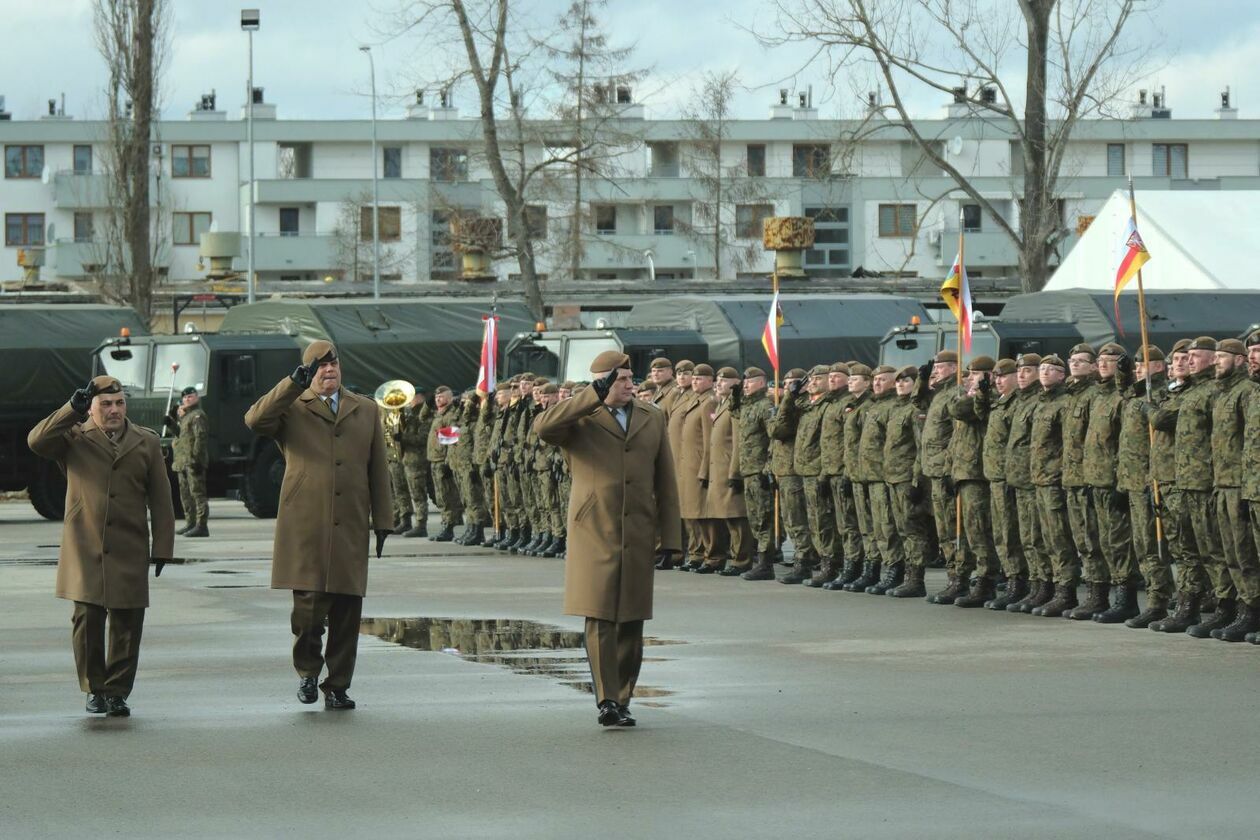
[{"x": 878, "y": 205}]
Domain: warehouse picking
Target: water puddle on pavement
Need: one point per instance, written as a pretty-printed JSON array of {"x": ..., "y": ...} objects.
[{"x": 525, "y": 647}]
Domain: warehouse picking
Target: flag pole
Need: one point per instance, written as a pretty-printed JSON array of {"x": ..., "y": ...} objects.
[
  {"x": 774, "y": 395},
  {"x": 962, "y": 270},
  {"x": 1156, "y": 501}
]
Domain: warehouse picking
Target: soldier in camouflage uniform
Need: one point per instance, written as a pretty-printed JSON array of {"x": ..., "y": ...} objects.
[
  {"x": 1002, "y": 505},
  {"x": 804, "y": 419},
  {"x": 415, "y": 424},
  {"x": 446, "y": 496},
  {"x": 856, "y": 563},
  {"x": 847, "y": 556},
  {"x": 781, "y": 456},
  {"x": 783, "y": 428},
  {"x": 1251, "y": 454},
  {"x": 190, "y": 458},
  {"x": 1019, "y": 480},
  {"x": 885, "y": 564},
  {"x": 564, "y": 489},
  {"x": 391, "y": 427},
  {"x": 751, "y": 463},
  {"x": 1046, "y": 465},
  {"x": 522, "y": 453},
  {"x": 506, "y": 465},
  {"x": 543, "y": 477},
  {"x": 934, "y": 460},
  {"x": 500, "y": 508},
  {"x": 1110, "y": 504},
  {"x": 480, "y": 490},
  {"x": 1190, "y": 419},
  {"x": 1082, "y": 384},
  {"x": 462, "y": 461},
  {"x": 971, "y": 410},
  {"x": 907, "y": 488}
]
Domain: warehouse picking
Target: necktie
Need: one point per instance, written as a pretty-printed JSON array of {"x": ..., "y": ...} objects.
[
  {"x": 332, "y": 405},
  {"x": 620, "y": 414}
]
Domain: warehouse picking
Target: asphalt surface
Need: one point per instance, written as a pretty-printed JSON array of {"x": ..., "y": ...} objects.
[{"x": 776, "y": 712}]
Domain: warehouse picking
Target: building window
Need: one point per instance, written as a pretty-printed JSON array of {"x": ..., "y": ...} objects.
[
  {"x": 448, "y": 164},
  {"x": 664, "y": 163},
  {"x": 391, "y": 223},
  {"x": 536, "y": 221},
  {"x": 23, "y": 161},
  {"x": 393, "y": 161},
  {"x": 830, "y": 256},
  {"x": 663, "y": 219},
  {"x": 1170, "y": 160},
  {"x": 83, "y": 227},
  {"x": 293, "y": 160},
  {"x": 605, "y": 218},
  {"x": 756, "y": 160},
  {"x": 1115, "y": 160},
  {"x": 811, "y": 160},
  {"x": 971, "y": 217},
  {"x": 897, "y": 219},
  {"x": 23, "y": 229},
  {"x": 748, "y": 219},
  {"x": 289, "y": 221},
  {"x": 441, "y": 255},
  {"x": 186, "y": 228},
  {"x": 190, "y": 161},
  {"x": 82, "y": 160}
]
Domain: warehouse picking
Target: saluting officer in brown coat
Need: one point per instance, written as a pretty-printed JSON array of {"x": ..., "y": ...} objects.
[
  {"x": 623, "y": 504},
  {"x": 115, "y": 482},
  {"x": 336, "y": 486}
]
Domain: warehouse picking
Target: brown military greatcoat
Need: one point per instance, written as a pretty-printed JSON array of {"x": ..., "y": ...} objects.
[
  {"x": 721, "y": 502},
  {"x": 697, "y": 419}
]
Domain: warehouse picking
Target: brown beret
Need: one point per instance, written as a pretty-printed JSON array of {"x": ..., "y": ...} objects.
[
  {"x": 648, "y": 386},
  {"x": 661, "y": 362},
  {"x": 820, "y": 370},
  {"x": 527, "y": 377},
  {"x": 1054, "y": 361},
  {"x": 441, "y": 389},
  {"x": 884, "y": 369},
  {"x": 728, "y": 373},
  {"x": 1004, "y": 367},
  {"x": 567, "y": 385},
  {"x": 703, "y": 370},
  {"x": 946, "y": 356},
  {"x": 1203, "y": 342},
  {"x": 1112, "y": 349},
  {"x": 908, "y": 372},
  {"x": 540, "y": 381},
  {"x": 107, "y": 385},
  {"x": 609, "y": 360},
  {"x": 549, "y": 388},
  {"x": 1153, "y": 353},
  {"x": 1028, "y": 360},
  {"x": 859, "y": 369},
  {"x": 753, "y": 372},
  {"x": 1231, "y": 345},
  {"x": 840, "y": 367},
  {"x": 1253, "y": 339},
  {"x": 685, "y": 366},
  {"x": 795, "y": 373},
  {"x": 1083, "y": 348},
  {"x": 982, "y": 364},
  {"x": 320, "y": 350}
]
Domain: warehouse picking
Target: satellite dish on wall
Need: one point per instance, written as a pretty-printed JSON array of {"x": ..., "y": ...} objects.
[{"x": 955, "y": 146}]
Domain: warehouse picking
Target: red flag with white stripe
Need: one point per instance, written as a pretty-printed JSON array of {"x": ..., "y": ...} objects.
[{"x": 489, "y": 354}]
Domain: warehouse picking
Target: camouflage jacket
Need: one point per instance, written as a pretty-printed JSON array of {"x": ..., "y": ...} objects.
[
  {"x": 414, "y": 435},
  {"x": 874, "y": 424},
  {"x": 1102, "y": 433},
  {"x": 191, "y": 448},
  {"x": 1019, "y": 441},
  {"x": 1229, "y": 410},
  {"x": 1164, "y": 441},
  {"x": 996, "y": 435},
  {"x": 902, "y": 430},
  {"x": 807, "y": 446},
  {"x": 966, "y": 447},
  {"x": 782, "y": 435},
  {"x": 526, "y": 410},
  {"x": 483, "y": 433},
  {"x": 1251, "y": 451},
  {"x": 1046, "y": 444},
  {"x": 752, "y": 441},
  {"x": 1133, "y": 456},
  {"x": 447, "y": 417},
  {"x": 853, "y": 413},
  {"x": 1080, "y": 393},
  {"x": 831, "y": 438},
  {"x": 1190, "y": 418},
  {"x": 938, "y": 428}
]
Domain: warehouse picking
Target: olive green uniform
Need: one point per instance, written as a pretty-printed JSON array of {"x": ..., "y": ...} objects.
[
  {"x": 1018, "y": 470},
  {"x": 1002, "y": 504},
  {"x": 870, "y": 471},
  {"x": 390, "y": 424},
  {"x": 1080, "y": 503},
  {"x": 783, "y": 426},
  {"x": 848, "y": 542},
  {"x": 807, "y": 463},
  {"x": 190, "y": 457},
  {"x": 1133, "y": 477},
  {"x": 967, "y": 469},
  {"x": 1110, "y": 503},
  {"x": 1046, "y": 462},
  {"x": 445, "y": 493},
  {"x": 1251, "y": 467},
  {"x": 751, "y": 462},
  {"x": 907, "y": 489},
  {"x": 1229, "y": 412},
  {"x": 854, "y": 412},
  {"x": 414, "y": 437},
  {"x": 938, "y": 428}
]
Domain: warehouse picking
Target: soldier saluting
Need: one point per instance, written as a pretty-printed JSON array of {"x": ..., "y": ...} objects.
[
  {"x": 115, "y": 483},
  {"x": 190, "y": 457}
]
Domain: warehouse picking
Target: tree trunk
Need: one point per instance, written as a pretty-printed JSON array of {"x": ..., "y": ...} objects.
[
  {"x": 136, "y": 160},
  {"x": 575, "y": 231},
  {"x": 1036, "y": 213}
]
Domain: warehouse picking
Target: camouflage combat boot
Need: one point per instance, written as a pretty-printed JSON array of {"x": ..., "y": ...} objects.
[
  {"x": 1039, "y": 592},
  {"x": 1186, "y": 616},
  {"x": 955, "y": 586},
  {"x": 869, "y": 576},
  {"x": 912, "y": 587},
  {"x": 1222, "y": 618},
  {"x": 982, "y": 590},
  {"x": 851, "y": 571},
  {"x": 801, "y": 572},
  {"x": 1097, "y": 600},
  {"x": 1064, "y": 599},
  {"x": 1122, "y": 609},
  {"x": 1156, "y": 610},
  {"x": 763, "y": 568},
  {"x": 1016, "y": 589},
  {"x": 825, "y": 574},
  {"x": 401, "y": 528},
  {"x": 1246, "y": 621},
  {"x": 892, "y": 576}
]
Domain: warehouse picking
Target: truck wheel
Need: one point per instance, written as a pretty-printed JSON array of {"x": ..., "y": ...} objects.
[
  {"x": 260, "y": 485},
  {"x": 48, "y": 491}
]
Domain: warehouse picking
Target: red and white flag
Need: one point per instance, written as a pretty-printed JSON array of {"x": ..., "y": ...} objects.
[
  {"x": 448, "y": 435},
  {"x": 770, "y": 335},
  {"x": 489, "y": 355}
]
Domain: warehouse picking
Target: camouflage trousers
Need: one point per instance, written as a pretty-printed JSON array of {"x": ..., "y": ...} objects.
[
  {"x": 514, "y": 508},
  {"x": 821, "y": 514},
  {"x": 943, "y": 516},
  {"x": 398, "y": 486},
  {"x": 913, "y": 520},
  {"x": 866, "y": 525},
  {"x": 1084, "y": 530},
  {"x": 760, "y": 505},
  {"x": 471, "y": 496},
  {"x": 192, "y": 495},
  {"x": 1234, "y": 522},
  {"x": 529, "y": 495},
  {"x": 1010, "y": 550},
  {"x": 1156, "y": 565},
  {"x": 446, "y": 495},
  {"x": 884, "y": 529},
  {"x": 848, "y": 534},
  {"x": 548, "y": 499},
  {"x": 506, "y": 514},
  {"x": 1056, "y": 535},
  {"x": 795, "y": 517},
  {"x": 416, "y": 471},
  {"x": 979, "y": 556},
  {"x": 1181, "y": 544},
  {"x": 1115, "y": 535},
  {"x": 1027, "y": 514},
  {"x": 560, "y": 516},
  {"x": 1207, "y": 566}
]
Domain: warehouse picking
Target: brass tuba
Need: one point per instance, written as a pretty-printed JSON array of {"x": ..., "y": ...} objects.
[{"x": 395, "y": 395}]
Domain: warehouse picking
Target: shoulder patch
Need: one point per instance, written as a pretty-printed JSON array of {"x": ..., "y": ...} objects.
[{"x": 140, "y": 428}]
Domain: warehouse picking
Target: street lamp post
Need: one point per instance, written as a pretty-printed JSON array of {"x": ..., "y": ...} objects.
[
  {"x": 376, "y": 199},
  {"x": 249, "y": 23}
]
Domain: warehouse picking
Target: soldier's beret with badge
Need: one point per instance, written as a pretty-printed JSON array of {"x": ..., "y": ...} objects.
[
  {"x": 1053, "y": 361},
  {"x": 795, "y": 373},
  {"x": 541, "y": 381},
  {"x": 703, "y": 370},
  {"x": 567, "y": 385},
  {"x": 609, "y": 360},
  {"x": 840, "y": 367},
  {"x": 908, "y": 372},
  {"x": 1153, "y": 353},
  {"x": 1004, "y": 367},
  {"x": 649, "y": 387},
  {"x": 189, "y": 390},
  {"x": 527, "y": 377},
  {"x": 946, "y": 356},
  {"x": 882, "y": 369},
  {"x": 107, "y": 385},
  {"x": 1231, "y": 345},
  {"x": 859, "y": 369},
  {"x": 981, "y": 364},
  {"x": 685, "y": 366},
  {"x": 441, "y": 389},
  {"x": 1203, "y": 342},
  {"x": 1182, "y": 346},
  {"x": 754, "y": 372},
  {"x": 550, "y": 388},
  {"x": 1028, "y": 360},
  {"x": 660, "y": 362},
  {"x": 820, "y": 370},
  {"x": 319, "y": 351},
  {"x": 1112, "y": 349},
  {"x": 1253, "y": 339},
  {"x": 1083, "y": 347},
  {"x": 728, "y": 373}
]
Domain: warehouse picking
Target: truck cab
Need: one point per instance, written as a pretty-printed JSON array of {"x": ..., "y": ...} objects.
[{"x": 567, "y": 354}]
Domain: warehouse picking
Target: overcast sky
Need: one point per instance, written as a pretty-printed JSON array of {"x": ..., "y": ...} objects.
[{"x": 306, "y": 56}]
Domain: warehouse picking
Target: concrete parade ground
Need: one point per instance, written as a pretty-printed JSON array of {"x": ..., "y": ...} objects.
[{"x": 765, "y": 711}]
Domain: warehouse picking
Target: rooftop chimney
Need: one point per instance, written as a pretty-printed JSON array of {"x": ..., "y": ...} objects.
[
  {"x": 4, "y": 115},
  {"x": 262, "y": 110},
  {"x": 1227, "y": 111},
  {"x": 445, "y": 109},
  {"x": 418, "y": 110},
  {"x": 783, "y": 109},
  {"x": 55, "y": 111},
  {"x": 806, "y": 111},
  {"x": 960, "y": 106},
  {"x": 204, "y": 109}
]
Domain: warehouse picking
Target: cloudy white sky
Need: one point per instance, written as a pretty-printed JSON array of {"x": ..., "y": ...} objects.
[{"x": 306, "y": 55}]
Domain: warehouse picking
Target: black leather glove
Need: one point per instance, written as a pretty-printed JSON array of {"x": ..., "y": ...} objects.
[
  {"x": 765, "y": 481},
  {"x": 950, "y": 487},
  {"x": 1125, "y": 365},
  {"x": 984, "y": 386},
  {"x": 604, "y": 384},
  {"x": 171, "y": 420},
  {"x": 81, "y": 400},
  {"x": 795, "y": 388},
  {"x": 158, "y": 565},
  {"x": 735, "y": 484},
  {"x": 304, "y": 375},
  {"x": 380, "y": 542}
]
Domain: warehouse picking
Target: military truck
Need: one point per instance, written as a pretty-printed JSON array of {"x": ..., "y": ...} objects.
[
  {"x": 45, "y": 355},
  {"x": 427, "y": 342}
]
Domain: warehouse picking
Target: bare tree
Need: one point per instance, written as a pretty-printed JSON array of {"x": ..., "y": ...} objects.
[
  {"x": 352, "y": 239},
  {"x": 132, "y": 36},
  {"x": 1076, "y": 66}
]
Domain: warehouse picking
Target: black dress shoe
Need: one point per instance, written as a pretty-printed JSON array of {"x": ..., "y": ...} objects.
[
  {"x": 96, "y": 704},
  {"x": 199, "y": 531},
  {"x": 117, "y": 707},
  {"x": 705, "y": 569},
  {"x": 623, "y": 716},
  {"x": 338, "y": 699},
  {"x": 306, "y": 690},
  {"x": 609, "y": 714}
]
